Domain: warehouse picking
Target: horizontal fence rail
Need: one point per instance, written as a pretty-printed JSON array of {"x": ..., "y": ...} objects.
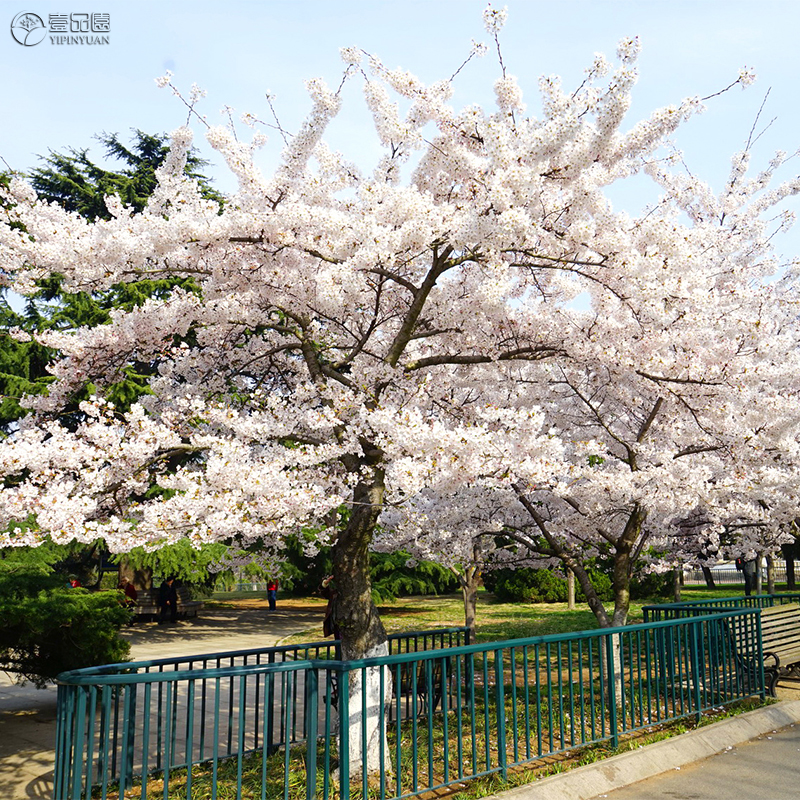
[
  {"x": 688, "y": 608},
  {"x": 432, "y": 714}
]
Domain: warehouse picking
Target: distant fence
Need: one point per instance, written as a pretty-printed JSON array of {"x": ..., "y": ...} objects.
[
  {"x": 733, "y": 576},
  {"x": 688, "y": 608},
  {"x": 265, "y": 724}
]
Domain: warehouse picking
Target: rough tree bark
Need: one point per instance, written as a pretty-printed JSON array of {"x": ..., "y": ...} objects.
[
  {"x": 709, "y": 577},
  {"x": 770, "y": 574},
  {"x": 362, "y": 632},
  {"x": 470, "y": 580}
]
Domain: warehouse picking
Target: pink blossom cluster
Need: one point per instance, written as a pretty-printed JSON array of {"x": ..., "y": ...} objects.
[{"x": 407, "y": 342}]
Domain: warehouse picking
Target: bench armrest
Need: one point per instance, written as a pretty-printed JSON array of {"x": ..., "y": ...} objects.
[{"x": 775, "y": 656}]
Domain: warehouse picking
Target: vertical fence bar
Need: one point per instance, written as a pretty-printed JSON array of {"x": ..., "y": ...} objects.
[
  {"x": 560, "y": 692},
  {"x": 459, "y": 720},
  {"x": 128, "y": 737},
  {"x": 612, "y": 688},
  {"x": 571, "y": 681},
  {"x": 364, "y": 673},
  {"x": 398, "y": 712},
  {"x": 77, "y": 743},
  {"x": 215, "y": 744},
  {"x": 189, "y": 735},
  {"x": 697, "y": 677},
  {"x": 549, "y": 673},
  {"x": 385, "y": 674},
  {"x": 168, "y": 740},
  {"x": 92, "y": 713},
  {"x": 312, "y": 712},
  {"x": 148, "y": 693},
  {"x": 344, "y": 734},
  {"x": 105, "y": 722},
  {"x": 430, "y": 695},
  {"x": 64, "y": 698},
  {"x": 500, "y": 714},
  {"x": 538, "y": 666},
  {"x": 515, "y": 726}
]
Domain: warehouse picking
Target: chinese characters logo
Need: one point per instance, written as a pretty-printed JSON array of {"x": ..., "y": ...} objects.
[{"x": 74, "y": 28}]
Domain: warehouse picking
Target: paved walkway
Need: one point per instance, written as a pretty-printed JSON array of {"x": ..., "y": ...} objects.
[
  {"x": 27, "y": 715},
  {"x": 752, "y": 756},
  {"x": 767, "y": 768}
]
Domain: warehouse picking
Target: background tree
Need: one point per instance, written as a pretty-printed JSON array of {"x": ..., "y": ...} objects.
[
  {"x": 75, "y": 182},
  {"x": 47, "y": 627}
]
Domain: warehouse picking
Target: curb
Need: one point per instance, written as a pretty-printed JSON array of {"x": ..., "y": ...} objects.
[{"x": 584, "y": 783}]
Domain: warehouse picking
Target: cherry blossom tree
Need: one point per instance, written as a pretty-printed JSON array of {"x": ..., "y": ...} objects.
[
  {"x": 350, "y": 340},
  {"x": 671, "y": 427},
  {"x": 459, "y": 531}
]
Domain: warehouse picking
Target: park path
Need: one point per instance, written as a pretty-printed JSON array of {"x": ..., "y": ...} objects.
[
  {"x": 767, "y": 768},
  {"x": 27, "y": 715}
]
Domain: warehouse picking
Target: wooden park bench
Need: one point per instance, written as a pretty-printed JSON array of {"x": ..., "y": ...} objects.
[
  {"x": 780, "y": 639},
  {"x": 147, "y": 603}
]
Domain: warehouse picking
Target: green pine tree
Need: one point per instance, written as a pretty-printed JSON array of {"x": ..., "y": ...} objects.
[
  {"x": 75, "y": 182},
  {"x": 45, "y": 626}
]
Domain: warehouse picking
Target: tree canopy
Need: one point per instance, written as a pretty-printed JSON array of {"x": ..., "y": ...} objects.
[{"x": 407, "y": 342}]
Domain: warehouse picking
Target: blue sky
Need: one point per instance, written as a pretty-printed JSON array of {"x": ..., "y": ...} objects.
[{"x": 58, "y": 96}]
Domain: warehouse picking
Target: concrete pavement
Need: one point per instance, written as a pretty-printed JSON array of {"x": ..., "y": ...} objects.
[
  {"x": 753, "y": 755},
  {"x": 27, "y": 715},
  {"x": 767, "y": 768}
]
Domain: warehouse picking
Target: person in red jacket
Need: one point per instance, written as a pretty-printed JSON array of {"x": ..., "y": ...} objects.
[
  {"x": 131, "y": 595},
  {"x": 272, "y": 593}
]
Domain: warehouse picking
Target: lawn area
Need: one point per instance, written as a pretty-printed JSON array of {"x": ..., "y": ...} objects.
[
  {"x": 430, "y": 746},
  {"x": 496, "y": 621}
]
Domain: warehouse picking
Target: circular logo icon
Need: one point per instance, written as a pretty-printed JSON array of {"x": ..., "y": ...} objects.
[{"x": 28, "y": 29}]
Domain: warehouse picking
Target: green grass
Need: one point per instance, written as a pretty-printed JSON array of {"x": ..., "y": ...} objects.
[
  {"x": 498, "y": 621},
  {"x": 256, "y": 770}
]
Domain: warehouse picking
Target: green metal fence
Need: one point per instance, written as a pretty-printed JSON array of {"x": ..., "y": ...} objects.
[
  {"x": 444, "y": 715},
  {"x": 663, "y": 611}
]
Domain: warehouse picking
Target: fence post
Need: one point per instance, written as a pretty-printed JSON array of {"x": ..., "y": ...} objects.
[
  {"x": 759, "y": 660},
  {"x": 128, "y": 738},
  {"x": 65, "y": 722},
  {"x": 612, "y": 689},
  {"x": 269, "y": 704},
  {"x": 78, "y": 728},
  {"x": 500, "y": 713},
  {"x": 344, "y": 732},
  {"x": 312, "y": 711},
  {"x": 694, "y": 646}
]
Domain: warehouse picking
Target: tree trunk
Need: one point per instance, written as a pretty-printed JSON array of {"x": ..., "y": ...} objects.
[
  {"x": 570, "y": 589},
  {"x": 676, "y": 584},
  {"x": 791, "y": 583},
  {"x": 362, "y": 632},
  {"x": 621, "y": 578},
  {"x": 709, "y": 576},
  {"x": 470, "y": 579},
  {"x": 758, "y": 574},
  {"x": 770, "y": 575}
]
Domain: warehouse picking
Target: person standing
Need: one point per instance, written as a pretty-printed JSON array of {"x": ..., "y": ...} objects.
[
  {"x": 131, "y": 595},
  {"x": 748, "y": 568},
  {"x": 168, "y": 601},
  {"x": 272, "y": 593},
  {"x": 329, "y": 624}
]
